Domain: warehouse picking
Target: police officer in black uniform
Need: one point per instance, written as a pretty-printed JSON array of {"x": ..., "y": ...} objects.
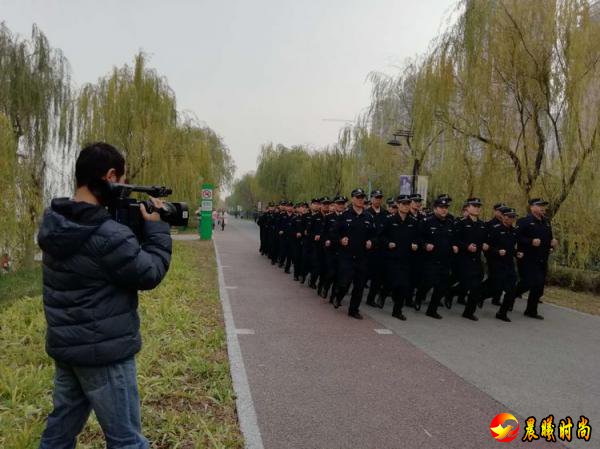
[
  {"x": 399, "y": 242},
  {"x": 416, "y": 274},
  {"x": 535, "y": 241},
  {"x": 314, "y": 234},
  {"x": 436, "y": 238},
  {"x": 502, "y": 238},
  {"x": 384, "y": 292},
  {"x": 307, "y": 242},
  {"x": 298, "y": 228},
  {"x": 355, "y": 232},
  {"x": 261, "y": 222},
  {"x": 276, "y": 236},
  {"x": 286, "y": 236},
  {"x": 487, "y": 288},
  {"x": 323, "y": 260},
  {"x": 376, "y": 263},
  {"x": 470, "y": 240},
  {"x": 264, "y": 223},
  {"x": 456, "y": 286},
  {"x": 330, "y": 247}
]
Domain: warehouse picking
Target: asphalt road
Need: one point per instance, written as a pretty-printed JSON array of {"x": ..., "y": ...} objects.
[{"x": 319, "y": 379}]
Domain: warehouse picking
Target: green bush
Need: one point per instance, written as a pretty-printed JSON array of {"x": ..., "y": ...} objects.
[{"x": 574, "y": 279}]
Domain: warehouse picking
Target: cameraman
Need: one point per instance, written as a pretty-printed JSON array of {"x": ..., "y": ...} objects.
[{"x": 92, "y": 270}]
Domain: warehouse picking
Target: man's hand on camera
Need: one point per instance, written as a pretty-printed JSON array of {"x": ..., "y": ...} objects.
[{"x": 154, "y": 216}]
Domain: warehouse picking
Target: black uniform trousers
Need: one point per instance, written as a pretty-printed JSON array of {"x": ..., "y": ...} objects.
[
  {"x": 306, "y": 256},
  {"x": 532, "y": 278},
  {"x": 398, "y": 281},
  {"x": 274, "y": 247},
  {"x": 297, "y": 259},
  {"x": 285, "y": 252},
  {"x": 416, "y": 276},
  {"x": 351, "y": 270},
  {"x": 471, "y": 276},
  {"x": 316, "y": 262},
  {"x": 436, "y": 276},
  {"x": 263, "y": 241},
  {"x": 376, "y": 274},
  {"x": 504, "y": 280},
  {"x": 328, "y": 269}
]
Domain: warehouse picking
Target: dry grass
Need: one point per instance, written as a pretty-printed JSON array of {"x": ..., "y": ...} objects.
[
  {"x": 582, "y": 301},
  {"x": 183, "y": 371}
]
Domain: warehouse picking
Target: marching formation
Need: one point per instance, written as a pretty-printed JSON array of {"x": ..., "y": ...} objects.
[{"x": 405, "y": 253}]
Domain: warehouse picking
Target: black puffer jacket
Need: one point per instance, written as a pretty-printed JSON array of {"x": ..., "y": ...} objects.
[{"x": 93, "y": 268}]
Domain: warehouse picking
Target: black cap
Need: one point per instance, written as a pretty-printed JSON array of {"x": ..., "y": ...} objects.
[
  {"x": 444, "y": 196},
  {"x": 340, "y": 199},
  {"x": 271, "y": 204},
  {"x": 441, "y": 202},
  {"x": 508, "y": 211},
  {"x": 497, "y": 206},
  {"x": 376, "y": 194},
  {"x": 416, "y": 197},
  {"x": 473, "y": 201},
  {"x": 403, "y": 199},
  {"x": 315, "y": 200},
  {"x": 537, "y": 202},
  {"x": 325, "y": 200},
  {"x": 358, "y": 192}
]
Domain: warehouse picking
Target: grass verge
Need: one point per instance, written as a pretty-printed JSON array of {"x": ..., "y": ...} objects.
[
  {"x": 183, "y": 371},
  {"x": 582, "y": 301},
  {"x": 15, "y": 285}
]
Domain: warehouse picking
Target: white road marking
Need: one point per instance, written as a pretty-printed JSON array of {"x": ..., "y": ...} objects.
[
  {"x": 225, "y": 266},
  {"x": 244, "y": 331},
  {"x": 245, "y": 406},
  {"x": 425, "y": 430},
  {"x": 383, "y": 331},
  {"x": 230, "y": 287}
]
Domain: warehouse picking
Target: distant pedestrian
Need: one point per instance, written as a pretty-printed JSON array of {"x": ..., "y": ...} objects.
[
  {"x": 215, "y": 217},
  {"x": 223, "y": 219}
]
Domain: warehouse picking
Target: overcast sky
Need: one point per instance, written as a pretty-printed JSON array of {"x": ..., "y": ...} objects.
[{"x": 253, "y": 70}]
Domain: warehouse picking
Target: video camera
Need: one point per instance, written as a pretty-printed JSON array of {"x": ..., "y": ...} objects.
[{"x": 127, "y": 210}]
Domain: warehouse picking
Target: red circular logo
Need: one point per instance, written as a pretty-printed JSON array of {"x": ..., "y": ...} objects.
[{"x": 504, "y": 427}]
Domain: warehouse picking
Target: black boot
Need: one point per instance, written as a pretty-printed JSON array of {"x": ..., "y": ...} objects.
[
  {"x": 397, "y": 312},
  {"x": 337, "y": 302},
  {"x": 448, "y": 302},
  {"x": 503, "y": 317}
]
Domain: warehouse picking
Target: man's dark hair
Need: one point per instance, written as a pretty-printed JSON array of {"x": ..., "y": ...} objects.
[{"x": 95, "y": 160}]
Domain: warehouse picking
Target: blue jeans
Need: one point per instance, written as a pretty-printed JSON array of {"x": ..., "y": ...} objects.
[{"x": 111, "y": 391}]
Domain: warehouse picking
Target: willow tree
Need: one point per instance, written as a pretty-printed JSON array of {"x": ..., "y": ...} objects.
[
  {"x": 8, "y": 169},
  {"x": 404, "y": 106},
  {"x": 36, "y": 100},
  {"x": 525, "y": 90},
  {"x": 134, "y": 108},
  {"x": 245, "y": 193},
  {"x": 195, "y": 155}
]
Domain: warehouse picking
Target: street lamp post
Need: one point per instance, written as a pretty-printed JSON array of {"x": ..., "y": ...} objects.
[{"x": 395, "y": 142}]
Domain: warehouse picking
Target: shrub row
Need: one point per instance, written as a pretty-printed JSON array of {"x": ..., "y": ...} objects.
[{"x": 574, "y": 279}]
